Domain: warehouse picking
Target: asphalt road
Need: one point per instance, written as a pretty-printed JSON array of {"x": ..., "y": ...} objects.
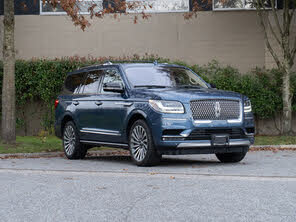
[{"x": 183, "y": 188}]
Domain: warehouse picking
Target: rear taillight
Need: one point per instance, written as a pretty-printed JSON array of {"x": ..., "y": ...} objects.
[{"x": 56, "y": 102}]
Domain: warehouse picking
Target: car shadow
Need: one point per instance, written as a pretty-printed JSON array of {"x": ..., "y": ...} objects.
[
  {"x": 171, "y": 161},
  {"x": 166, "y": 161}
]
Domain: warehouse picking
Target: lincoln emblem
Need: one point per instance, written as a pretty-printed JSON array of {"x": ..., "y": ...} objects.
[{"x": 217, "y": 110}]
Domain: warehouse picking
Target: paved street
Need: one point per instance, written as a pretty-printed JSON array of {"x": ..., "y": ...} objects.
[{"x": 183, "y": 188}]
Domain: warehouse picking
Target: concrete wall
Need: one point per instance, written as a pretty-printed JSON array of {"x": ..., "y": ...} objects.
[{"x": 230, "y": 37}]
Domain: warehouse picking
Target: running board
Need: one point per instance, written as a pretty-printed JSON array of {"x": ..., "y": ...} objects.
[{"x": 120, "y": 145}]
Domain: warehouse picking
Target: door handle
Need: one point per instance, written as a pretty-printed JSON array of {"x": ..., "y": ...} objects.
[
  {"x": 98, "y": 103},
  {"x": 75, "y": 103}
]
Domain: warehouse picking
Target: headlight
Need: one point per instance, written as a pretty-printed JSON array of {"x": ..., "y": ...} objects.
[
  {"x": 167, "y": 106},
  {"x": 247, "y": 106}
]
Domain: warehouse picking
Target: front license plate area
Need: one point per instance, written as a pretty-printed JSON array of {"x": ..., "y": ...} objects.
[{"x": 220, "y": 140}]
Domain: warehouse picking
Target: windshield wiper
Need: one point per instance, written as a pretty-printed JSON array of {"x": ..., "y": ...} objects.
[{"x": 151, "y": 86}]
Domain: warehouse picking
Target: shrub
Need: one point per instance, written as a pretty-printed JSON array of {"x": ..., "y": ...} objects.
[
  {"x": 42, "y": 80},
  {"x": 262, "y": 86}
]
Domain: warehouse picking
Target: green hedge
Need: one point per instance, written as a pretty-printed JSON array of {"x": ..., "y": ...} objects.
[
  {"x": 42, "y": 80},
  {"x": 262, "y": 86}
]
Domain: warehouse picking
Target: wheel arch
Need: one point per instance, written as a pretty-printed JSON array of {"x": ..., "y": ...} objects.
[
  {"x": 66, "y": 118},
  {"x": 136, "y": 115}
]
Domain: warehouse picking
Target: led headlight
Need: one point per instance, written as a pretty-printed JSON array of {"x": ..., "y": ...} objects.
[
  {"x": 167, "y": 106},
  {"x": 247, "y": 106}
]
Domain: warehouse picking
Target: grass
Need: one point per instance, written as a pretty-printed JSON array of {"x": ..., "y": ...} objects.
[
  {"x": 275, "y": 140},
  {"x": 35, "y": 144}
]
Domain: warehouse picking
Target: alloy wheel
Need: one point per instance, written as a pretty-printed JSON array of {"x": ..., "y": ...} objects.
[
  {"x": 139, "y": 143},
  {"x": 69, "y": 140}
]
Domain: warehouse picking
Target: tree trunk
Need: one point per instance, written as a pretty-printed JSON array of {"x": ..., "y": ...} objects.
[
  {"x": 287, "y": 101},
  {"x": 8, "y": 90}
]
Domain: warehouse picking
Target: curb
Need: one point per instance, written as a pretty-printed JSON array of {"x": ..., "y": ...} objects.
[
  {"x": 273, "y": 147},
  {"x": 110, "y": 152},
  {"x": 61, "y": 154}
]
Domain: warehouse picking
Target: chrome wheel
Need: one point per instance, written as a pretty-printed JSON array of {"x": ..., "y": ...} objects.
[
  {"x": 69, "y": 140},
  {"x": 139, "y": 143}
]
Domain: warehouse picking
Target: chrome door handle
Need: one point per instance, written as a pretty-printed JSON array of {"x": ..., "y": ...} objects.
[
  {"x": 98, "y": 103},
  {"x": 75, "y": 103}
]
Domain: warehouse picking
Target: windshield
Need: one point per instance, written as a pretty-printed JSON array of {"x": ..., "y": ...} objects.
[{"x": 157, "y": 76}]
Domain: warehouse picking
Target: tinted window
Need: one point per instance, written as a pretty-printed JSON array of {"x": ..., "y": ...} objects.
[
  {"x": 73, "y": 83},
  {"x": 91, "y": 84},
  {"x": 163, "y": 77},
  {"x": 111, "y": 75}
]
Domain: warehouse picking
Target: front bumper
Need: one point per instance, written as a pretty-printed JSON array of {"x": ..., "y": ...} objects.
[
  {"x": 182, "y": 141},
  {"x": 208, "y": 143},
  {"x": 203, "y": 147},
  {"x": 202, "y": 150}
]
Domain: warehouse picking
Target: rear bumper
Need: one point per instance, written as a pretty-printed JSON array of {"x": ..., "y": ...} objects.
[{"x": 57, "y": 130}]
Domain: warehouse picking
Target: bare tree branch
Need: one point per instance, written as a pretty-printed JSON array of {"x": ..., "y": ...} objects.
[
  {"x": 267, "y": 42},
  {"x": 293, "y": 50},
  {"x": 273, "y": 32},
  {"x": 293, "y": 53},
  {"x": 276, "y": 16}
]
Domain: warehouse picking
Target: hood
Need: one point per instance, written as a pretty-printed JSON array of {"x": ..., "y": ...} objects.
[{"x": 184, "y": 95}]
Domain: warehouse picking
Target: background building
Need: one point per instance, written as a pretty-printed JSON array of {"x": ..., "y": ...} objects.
[{"x": 229, "y": 33}]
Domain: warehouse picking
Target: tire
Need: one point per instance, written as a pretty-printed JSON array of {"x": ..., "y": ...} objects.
[
  {"x": 141, "y": 146},
  {"x": 73, "y": 149},
  {"x": 230, "y": 157}
]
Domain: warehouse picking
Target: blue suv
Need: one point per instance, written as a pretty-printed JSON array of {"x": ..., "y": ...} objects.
[{"x": 152, "y": 110}]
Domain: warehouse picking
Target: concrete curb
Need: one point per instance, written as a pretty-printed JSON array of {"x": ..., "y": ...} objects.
[
  {"x": 61, "y": 154},
  {"x": 126, "y": 152},
  {"x": 273, "y": 147}
]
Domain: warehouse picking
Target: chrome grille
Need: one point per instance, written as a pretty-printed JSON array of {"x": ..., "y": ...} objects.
[{"x": 215, "y": 109}]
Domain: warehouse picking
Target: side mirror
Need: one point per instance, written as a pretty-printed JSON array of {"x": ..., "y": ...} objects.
[
  {"x": 213, "y": 86},
  {"x": 113, "y": 87}
]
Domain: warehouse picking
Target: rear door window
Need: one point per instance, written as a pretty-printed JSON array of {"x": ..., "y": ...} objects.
[
  {"x": 92, "y": 82},
  {"x": 73, "y": 83}
]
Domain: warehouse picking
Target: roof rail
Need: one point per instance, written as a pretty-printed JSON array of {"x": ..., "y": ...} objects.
[
  {"x": 86, "y": 67},
  {"x": 129, "y": 61},
  {"x": 107, "y": 63}
]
